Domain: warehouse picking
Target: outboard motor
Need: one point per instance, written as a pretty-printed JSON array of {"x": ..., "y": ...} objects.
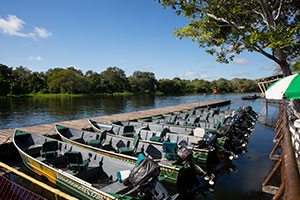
[
  {"x": 144, "y": 179},
  {"x": 186, "y": 158}
]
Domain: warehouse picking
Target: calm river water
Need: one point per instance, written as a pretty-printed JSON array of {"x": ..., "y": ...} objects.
[{"x": 250, "y": 171}]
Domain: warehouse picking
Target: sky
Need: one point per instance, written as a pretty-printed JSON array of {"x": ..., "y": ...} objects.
[{"x": 133, "y": 35}]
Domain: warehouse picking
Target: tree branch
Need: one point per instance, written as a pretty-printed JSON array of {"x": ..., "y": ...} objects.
[{"x": 279, "y": 10}]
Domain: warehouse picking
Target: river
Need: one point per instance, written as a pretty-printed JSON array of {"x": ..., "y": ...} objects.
[{"x": 244, "y": 182}]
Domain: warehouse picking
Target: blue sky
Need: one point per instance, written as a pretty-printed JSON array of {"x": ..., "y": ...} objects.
[{"x": 96, "y": 34}]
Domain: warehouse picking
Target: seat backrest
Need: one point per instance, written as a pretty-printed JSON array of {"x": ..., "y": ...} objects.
[
  {"x": 207, "y": 116},
  {"x": 103, "y": 136},
  {"x": 217, "y": 125},
  {"x": 128, "y": 129},
  {"x": 170, "y": 150},
  {"x": 196, "y": 120},
  {"x": 136, "y": 141},
  {"x": 163, "y": 133},
  {"x": 186, "y": 116},
  {"x": 73, "y": 157},
  {"x": 51, "y": 145}
]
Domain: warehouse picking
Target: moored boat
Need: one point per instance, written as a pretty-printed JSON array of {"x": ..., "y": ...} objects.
[
  {"x": 86, "y": 174},
  {"x": 173, "y": 167}
]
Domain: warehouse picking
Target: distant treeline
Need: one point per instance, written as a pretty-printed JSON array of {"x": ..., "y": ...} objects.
[{"x": 21, "y": 81}]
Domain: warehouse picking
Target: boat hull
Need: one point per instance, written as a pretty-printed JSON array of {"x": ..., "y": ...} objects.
[
  {"x": 71, "y": 186},
  {"x": 169, "y": 174}
]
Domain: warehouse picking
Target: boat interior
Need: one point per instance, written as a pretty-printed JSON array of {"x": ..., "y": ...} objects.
[{"x": 91, "y": 167}]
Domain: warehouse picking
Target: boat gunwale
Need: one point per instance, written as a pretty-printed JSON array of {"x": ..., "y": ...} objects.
[
  {"x": 146, "y": 141},
  {"x": 70, "y": 176},
  {"x": 114, "y": 153}
]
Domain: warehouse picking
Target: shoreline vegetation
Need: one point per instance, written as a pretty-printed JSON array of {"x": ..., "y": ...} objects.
[{"x": 20, "y": 81}]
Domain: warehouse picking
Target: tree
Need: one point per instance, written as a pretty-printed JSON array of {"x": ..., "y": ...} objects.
[
  {"x": 142, "y": 82},
  {"x": 5, "y": 79},
  {"x": 67, "y": 81},
  {"x": 114, "y": 80},
  {"x": 35, "y": 82},
  {"x": 296, "y": 67},
  {"x": 269, "y": 27},
  {"x": 95, "y": 81},
  {"x": 18, "y": 85}
]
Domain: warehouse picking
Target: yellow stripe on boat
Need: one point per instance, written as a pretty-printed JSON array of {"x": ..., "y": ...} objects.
[{"x": 41, "y": 184}]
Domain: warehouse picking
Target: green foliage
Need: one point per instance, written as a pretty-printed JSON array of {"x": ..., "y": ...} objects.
[
  {"x": 228, "y": 27},
  {"x": 112, "y": 81},
  {"x": 142, "y": 82},
  {"x": 68, "y": 81},
  {"x": 296, "y": 67}
]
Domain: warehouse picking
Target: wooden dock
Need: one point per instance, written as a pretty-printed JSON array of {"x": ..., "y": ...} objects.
[{"x": 6, "y": 134}]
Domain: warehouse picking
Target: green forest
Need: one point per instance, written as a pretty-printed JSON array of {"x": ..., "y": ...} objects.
[{"x": 22, "y": 81}]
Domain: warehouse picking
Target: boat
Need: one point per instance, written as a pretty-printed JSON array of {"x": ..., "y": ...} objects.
[
  {"x": 86, "y": 174},
  {"x": 205, "y": 145},
  {"x": 250, "y": 97},
  {"x": 157, "y": 138},
  {"x": 172, "y": 166}
]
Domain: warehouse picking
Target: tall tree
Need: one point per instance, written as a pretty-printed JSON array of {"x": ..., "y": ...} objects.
[
  {"x": 142, "y": 82},
  {"x": 114, "y": 80},
  {"x": 5, "y": 79},
  {"x": 269, "y": 27}
]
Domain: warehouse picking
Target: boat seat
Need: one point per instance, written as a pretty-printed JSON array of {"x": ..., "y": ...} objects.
[
  {"x": 128, "y": 131},
  {"x": 161, "y": 136},
  {"x": 49, "y": 148},
  {"x": 75, "y": 162},
  {"x": 170, "y": 150},
  {"x": 130, "y": 150},
  {"x": 195, "y": 122},
  {"x": 98, "y": 142},
  {"x": 216, "y": 126}
]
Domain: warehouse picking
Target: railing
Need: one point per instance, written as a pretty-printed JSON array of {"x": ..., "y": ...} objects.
[
  {"x": 11, "y": 190},
  {"x": 290, "y": 183}
]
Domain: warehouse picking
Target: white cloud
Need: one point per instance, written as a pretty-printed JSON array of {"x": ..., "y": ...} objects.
[
  {"x": 36, "y": 58},
  {"x": 204, "y": 76},
  {"x": 145, "y": 67},
  {"x": 244, "y": 74},
  {"x": 266, "y": 68},
  {"x": 12, "y": 26},
  {"x": 188, "y": 75},
  {"x": 241, "y": 61},
  {"x": 41, "y": 32}
]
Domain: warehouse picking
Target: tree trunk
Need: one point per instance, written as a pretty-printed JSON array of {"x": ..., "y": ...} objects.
[{"x": 281, "y": 60}]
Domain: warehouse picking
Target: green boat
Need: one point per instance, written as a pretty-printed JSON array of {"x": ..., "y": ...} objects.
[
  {"x": 122, "y": 148},
  {"x": 86, "y": 174}
]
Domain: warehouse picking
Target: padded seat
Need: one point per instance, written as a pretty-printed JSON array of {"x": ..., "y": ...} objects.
[
  {"x": 128, "y": 131},
  {"x": 194, "y": 123},
  {"x": 130, "y": 150},
  {"x": 49, "y": 149},
  {"x": 94, "y": 143},
  {"x": 170, "y": 150},
  {"x": 98, "y": 142},
  {"x": 216, "y": 126},
  {"x": 161, "y": 136},
  {"x": 75, "y": 161}
]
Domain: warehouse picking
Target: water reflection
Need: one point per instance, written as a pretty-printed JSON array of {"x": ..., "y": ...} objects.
[{"x": 241, "y": 179}]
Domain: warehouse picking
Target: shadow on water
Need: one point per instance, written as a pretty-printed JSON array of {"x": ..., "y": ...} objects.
[{"x": 241, "y": 179}]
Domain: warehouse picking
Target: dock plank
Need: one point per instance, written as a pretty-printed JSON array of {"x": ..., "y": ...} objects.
[{"x": 6, "y": 134}]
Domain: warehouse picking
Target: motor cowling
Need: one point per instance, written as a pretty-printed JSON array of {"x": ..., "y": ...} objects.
[{"x": 143, "y": 171}]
